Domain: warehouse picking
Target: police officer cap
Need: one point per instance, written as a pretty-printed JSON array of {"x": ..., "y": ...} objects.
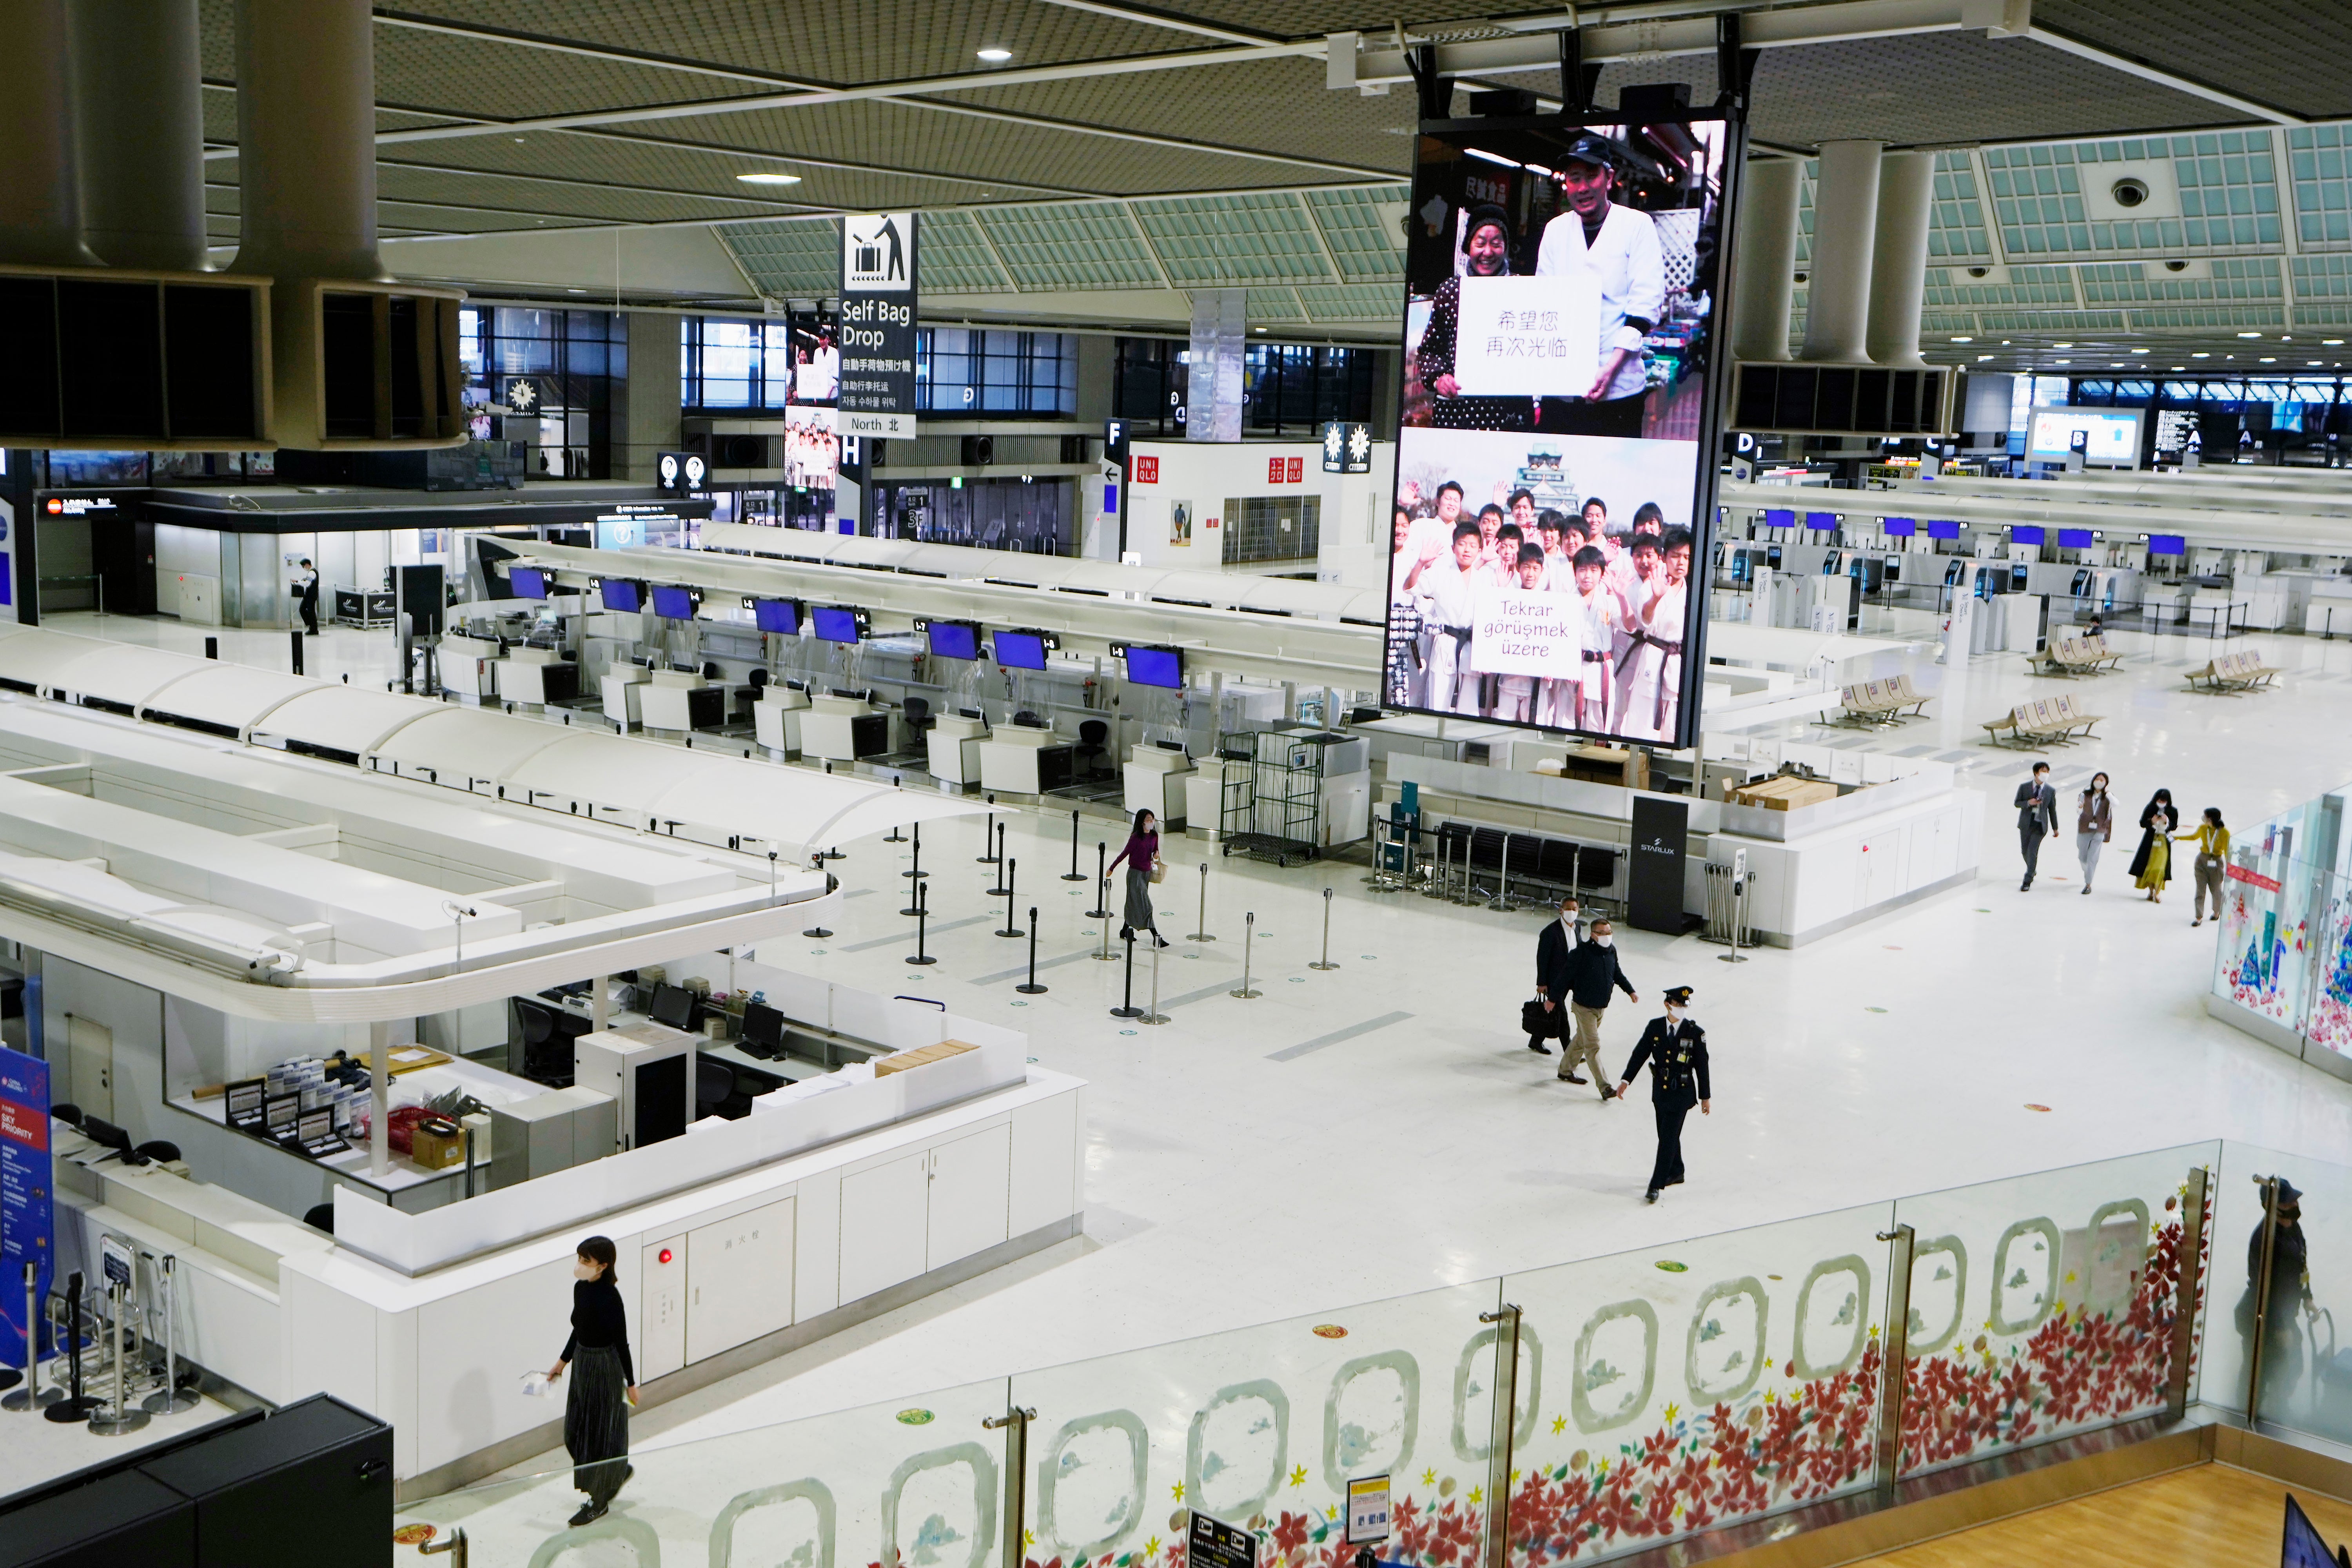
[
  {"x": 1593, "y": 149},
  {"x": 1679, "y": 995}
]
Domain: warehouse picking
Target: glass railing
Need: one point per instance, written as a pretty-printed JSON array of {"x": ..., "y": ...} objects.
[{"x": 1569, "y": 1414}]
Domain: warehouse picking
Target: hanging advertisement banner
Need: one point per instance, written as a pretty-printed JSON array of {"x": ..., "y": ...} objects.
[
  {"x": 877, "y": 325},
  {"x": 28, "y": 1222}
]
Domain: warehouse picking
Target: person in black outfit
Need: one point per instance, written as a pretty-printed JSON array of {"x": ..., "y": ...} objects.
[
  {"x": 1559, "y": 938},
  {"x": 1486, "y": 253},
  {"x": 2037, "y": 813},
  {"x": 1676, "y": 1048},
  {"x": 596, "y": 1409},
  {"x": 306, "y": 588},
  {"x": 1592, "y": 971},
  {"x": 2290, "y": 1294}
]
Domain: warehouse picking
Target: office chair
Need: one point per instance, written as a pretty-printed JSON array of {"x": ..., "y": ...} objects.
[
  {"x": 67, "y": 1111},
  {"x": 159, "y": 1149},
  {"x": 759, "y": 680},
  {"x": 918, "y": 713},
  {"x": 1092, "y": 733},
  {"x": 320, "y": 1217},
  {"x": 1028, "y": 720},
  {"x": 714, "y": 1084}
]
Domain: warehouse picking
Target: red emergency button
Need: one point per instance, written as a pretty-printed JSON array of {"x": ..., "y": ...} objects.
[{"x": 665, "y": 1255}]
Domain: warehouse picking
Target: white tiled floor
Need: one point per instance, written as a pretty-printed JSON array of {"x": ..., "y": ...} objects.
[{"x": 1233, "y": 1177}]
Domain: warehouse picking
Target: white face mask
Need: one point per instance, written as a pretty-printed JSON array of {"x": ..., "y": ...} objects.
[
  {"x": 1673, "y": 1010},
  {"x": 1603, "y": 937},
  {"x": 1567, "y": 918},
  {"x": 583, "y": 1270}
]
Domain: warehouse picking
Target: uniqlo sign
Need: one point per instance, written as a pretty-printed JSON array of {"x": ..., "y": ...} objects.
[
  {"x": 1286, "y": 470},
  {"x": 1147, "y": 470}
]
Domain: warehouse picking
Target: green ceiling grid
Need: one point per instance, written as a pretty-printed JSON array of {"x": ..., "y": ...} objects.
[
  {"x": 1362, "y": 243},
  {"x": 1090, "y": 244},
  {"x": 2323, "y": 277},
  {"x": 1947, "y": 322},
  {"x": 2026, "y": 286},
  {"x": 2316, "y": 162},
  {"x": 1215, "y": 241},
  {"x": 2053, "y": 321},
  {"x": 1805, "y": 180},
  {"x": 788, "y": 260},
  {"x": 1274, "y": 305},
  {"x": 2234, "y": 278},
  {"x": 2229, "y": 197},
  {"x": 1955, "y": 221},
  {"x": 2211, "y": 315},
  {"x": 954, "y": 259},
  {"x": 2322, "y": 315},
  {"x": 1352, "y": 302}
]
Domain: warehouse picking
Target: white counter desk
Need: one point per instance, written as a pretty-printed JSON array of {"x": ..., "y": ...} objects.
[
  {"x": 952, "y": 746},
  {"x": 1020, "y": 758}
]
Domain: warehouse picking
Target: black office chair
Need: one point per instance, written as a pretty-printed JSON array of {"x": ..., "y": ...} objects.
[
  {"x": 159, "y": 1149},
  {"x": 546, "y": 1045},
  {"x": 759, "y": 680},
  {"x": 67, "y": 1111},
  {"x": 714, "y": 1084},
  {"x": 1028, "y": 720},
  {"x": 917, "y": 711},
  {"x": 1092, "y": 733},
  {"x": 320, "y": 1217}
]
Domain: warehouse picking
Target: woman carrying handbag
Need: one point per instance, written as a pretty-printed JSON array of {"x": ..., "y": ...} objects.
[{"x": 1144, "y": 867}]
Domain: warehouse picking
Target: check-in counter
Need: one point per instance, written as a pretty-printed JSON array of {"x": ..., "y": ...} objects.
[
  {"x": 466, "y": 665},
  {"x": 776, "y": 720},
  {"x": 1155, "y": 779},
  {"x": 843, "y": 728},
  {"x": 1017, "y": 759},
  {"x": 624, "y": 691},
  {"x": 534, "y": 677},
  {"x": 680, "y": 701},
  {"x": 953, "y": 744}
]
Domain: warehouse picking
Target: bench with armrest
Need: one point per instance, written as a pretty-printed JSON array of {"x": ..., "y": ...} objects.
[
  {"x": 2241, "y": 672},
  {"x": 2053, "y": 720},
  {"x": 1879, "y": 702}
]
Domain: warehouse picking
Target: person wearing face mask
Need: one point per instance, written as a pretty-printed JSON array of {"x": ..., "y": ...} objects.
[
  {"x": 2289, "y": 1294},
  {"x": 1559, "y": 940},
  {"x": 2095, "y": 826},
  {"x": 1676, "y": 1048},
  {"x": 596, "y": 1408},
  {"x": 1486, "y": 253},
  {"x": 1592, "y": 971}
]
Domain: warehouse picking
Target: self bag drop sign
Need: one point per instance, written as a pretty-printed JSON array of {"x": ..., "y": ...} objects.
[
  {"x": 877, "y": 324},
  {"x": 27, "y": 1229}
]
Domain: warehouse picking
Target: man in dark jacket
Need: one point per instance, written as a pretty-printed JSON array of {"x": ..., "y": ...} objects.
[
  {"x": 1591, "y": 971},
  {"x": 2290, "y": 1298},
  {"x": 1559, "y": 938},
  {"x": 2037, "y": 814},
  {"x": 1676, "y": 1048}
]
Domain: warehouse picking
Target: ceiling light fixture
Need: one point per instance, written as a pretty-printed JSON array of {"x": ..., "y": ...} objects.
[
  {"x": 2250, "y": 334},
  {"x": 1961, "y": 340},
  {"x": 2332, "y": 343},
  {"x": 2180, "y": 367},
  {"x": 2270, "y": 359},
  {"x": 2200, "y": 354},
  {"x": 1981, "y": 358},
  {"x": 2139, "y": 350},
  {"x": 764, "y": 178},
  {"x": 1493, "y": 157},
  {"x": 2061, "y": 345},
  {"x": 995, "y": 56}
]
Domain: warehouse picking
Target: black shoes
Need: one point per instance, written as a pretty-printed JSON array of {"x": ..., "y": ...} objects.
[
  {"x": 590, "y": 1512},
  {"x": 1571, "y": 1078},
  {"x": 1538, "y": 1047},
  {"x": 1158, "y": 941},
  {"x": 1653, "y": 1198}
]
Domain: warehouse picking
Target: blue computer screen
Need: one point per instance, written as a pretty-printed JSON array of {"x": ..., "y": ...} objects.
[
  {"x": 1775, "y": 517},
  {"x": 779, "y": 615},
  {"x": 1942, "y": 529},
  {"x": 1155, "y": 666},
  {"x": 954, "y": 639},
  {"x": 1820, "y": 520},
  {"x": 2073, "y": 539},
  {"x": 528, "y": 581},
  {"x": 1898, "y": 526},
  {"x": 620, "y": 593},
  {"x": 2024, "y": 534},
  {"x": 1018, "y": 650},
  {"x": 2167, "y": 544},
  {"x": 834, "y": 624},
  {"x": 673, "y": 604}
]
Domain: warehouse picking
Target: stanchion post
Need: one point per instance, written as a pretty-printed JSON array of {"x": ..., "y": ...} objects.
[
  {"x": 1249, "y": 935},
  {"x": 1127, "y": 1007},
  {"x": 918, "y": 873},
  {"x": 1202, "y": 935},
  {"x": 1103, "y": 952},
  {"x": 121, "y": 1421},
  {"x": 1153, "y": 1014},
  {"x": 897, "y": 834},
  {"x": 922, "y": 923},
  {"x": 998, "y": 891},
  {"x": 1101, "y": 911},
  {"x": 1074, "y": 874},
  {"x": 1032, "y": 988},
  {"x": 32, "y": 1396},
  {"x": 1011, "y": 870},
  {"x": 987, "y": 856},
  {"x": 1325, "y": 963}
]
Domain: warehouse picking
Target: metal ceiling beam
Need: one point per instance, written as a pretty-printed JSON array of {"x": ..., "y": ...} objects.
[
  {"x": 2130, "y": 65},
  {"x": 581, "y": 50},
  {"x": 1213, "y": 149},
  {"x": 1149, "y": 17}
]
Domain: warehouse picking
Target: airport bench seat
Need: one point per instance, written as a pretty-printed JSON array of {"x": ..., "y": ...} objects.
[{"x": 2241, "y": 671}]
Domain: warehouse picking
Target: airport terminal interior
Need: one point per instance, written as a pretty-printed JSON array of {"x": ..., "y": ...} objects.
[{"x": 1054, "y": 784}]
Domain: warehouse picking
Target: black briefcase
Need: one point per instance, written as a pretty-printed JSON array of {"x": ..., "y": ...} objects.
[{"x": 1539, "y": 1022}]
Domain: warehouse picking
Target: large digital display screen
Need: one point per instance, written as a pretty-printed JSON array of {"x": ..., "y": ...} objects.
[
  {"x": 2073, "y": 539},
  {"x": 1155, "y": 666},
  {"x": 2026, "y": 534},
  {"x": 781, "y": 616},
  {"x": 1898, "y": 526},
  {"x": 2111, "y": 436},
  {"x": 1556, "y": 447},
  {"x": 954, "y": 639},
  {"x": 528, "y": 581},
  {"x": 673, "y": 604},
  {"x": 1943, "y": 528},
  {"x": 1018, "y": 650},
  {"x": 1823, "y": 520},
  {"x": 2167, "y": 544},
  {"x": 834, "y": 623},
  {"x": 1779, "y": 516},
  {"x": 621, "y": 593}
]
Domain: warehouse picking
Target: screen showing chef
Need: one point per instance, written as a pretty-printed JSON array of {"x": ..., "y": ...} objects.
[{"x": 1551, "y": 499}]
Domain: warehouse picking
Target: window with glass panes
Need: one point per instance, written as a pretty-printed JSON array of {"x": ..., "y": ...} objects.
[
  {"x": 993, "y": 374},
  {"x": 727, "y": 365},
  {"x": 2298, "y": 410},
  {"x": 1286, "y": 387},
  {"x": 576, "y": 356}
]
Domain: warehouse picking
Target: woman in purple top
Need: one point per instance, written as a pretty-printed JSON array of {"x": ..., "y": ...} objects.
[{"x": 1141, "y": 853}]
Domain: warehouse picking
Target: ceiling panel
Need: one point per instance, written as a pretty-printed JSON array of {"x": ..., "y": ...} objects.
[
  {"x": 1259, "y": 237},
  {"x": 956, "y": 258},
  {"x": 2290, "y": 53},
  {"x": 788, "y": 260},
  {"x": 1363, "y": 228},
  {"x": 1090, "y": 244}
]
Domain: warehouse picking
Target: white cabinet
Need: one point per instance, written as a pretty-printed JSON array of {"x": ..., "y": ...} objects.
[
  {"x": 971, "y": 1181},
  {"x": 661, "y": 1319},
  {"x": 884, "y": 1224},
  {"x": 739, "y": 1279}
]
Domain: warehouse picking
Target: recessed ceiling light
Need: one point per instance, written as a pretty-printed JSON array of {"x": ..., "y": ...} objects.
[
  {"x": 1981, "y": 358},
  {"x": 2117, "y": 365},
  {"x": 2180, "y": 367},
  {"x": 2200, "y": 354},
  {"x": 518, "y": 138},
  {"x": 2061, "y": 345},
  {"x": 996, "y": 57},
  {"x": 2331, "y": 343},
  {"x": 2139, "y": 350},
  {"x": 2250, "y": 334},
  {"x": 1961, "y": 340},
  {"x": 575, "y": 290},
  {"x": 2270, "y": 359},
  {"x": 2312, "y": 362},
  {"x": 764, "y": 178},
  {"x": 2004, "y": 343}
]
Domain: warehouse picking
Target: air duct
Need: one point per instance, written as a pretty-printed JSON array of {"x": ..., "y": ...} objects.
[
  {"x": 1845, "y": 223},
  {"x": 138, "y": 129},
  {"x": 40, "y": 199},
  {"x": 1898, "y": 262},
  {"x": 1765, "y": 264}
]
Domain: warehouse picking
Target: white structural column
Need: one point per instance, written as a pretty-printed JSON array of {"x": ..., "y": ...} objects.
[
  {"x": 139, "y": 128},
  {"x": 1845, "y": 223},
  {"x": 1764, "y": 260},
  {"x": 40, "y": 206},
  {"x": 305, "y": 138},
  {"x": 1898, "y": 263}
]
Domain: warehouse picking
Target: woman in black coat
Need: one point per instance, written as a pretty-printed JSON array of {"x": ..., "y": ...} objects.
[{"x": 2160, "y": 816}]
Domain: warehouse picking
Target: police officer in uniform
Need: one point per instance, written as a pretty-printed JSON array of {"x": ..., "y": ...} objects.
[{"x": 1676, "y": 1048}]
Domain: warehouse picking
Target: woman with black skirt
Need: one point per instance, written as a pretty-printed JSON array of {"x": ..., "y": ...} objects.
[
  {"x": 596, "y": 1410},
  {"x": 1142, "y": 854}
]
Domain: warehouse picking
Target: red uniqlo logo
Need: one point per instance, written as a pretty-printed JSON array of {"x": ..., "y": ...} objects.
[
  {"x": 1295, "y": 471},
  {"x": 1274, "y": 470},
  {"x": 1147, "y": 470}
]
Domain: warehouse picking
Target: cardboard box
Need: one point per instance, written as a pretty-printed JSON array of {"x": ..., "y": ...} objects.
[
  {"x": 436, "y": 1153},
  {"x": 1785, "y": 792},
  {"x": 921, "y": 1056}
]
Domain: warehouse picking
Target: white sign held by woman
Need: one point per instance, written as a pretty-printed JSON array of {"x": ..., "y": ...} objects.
[{"x": 1528, "y": 337}]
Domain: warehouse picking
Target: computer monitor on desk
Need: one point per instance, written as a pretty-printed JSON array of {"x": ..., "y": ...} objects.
[
  {"x": 763, "y": 1031},
  {"x": 673, "y": 1006},
  {"x": 972, "y": 713}
]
